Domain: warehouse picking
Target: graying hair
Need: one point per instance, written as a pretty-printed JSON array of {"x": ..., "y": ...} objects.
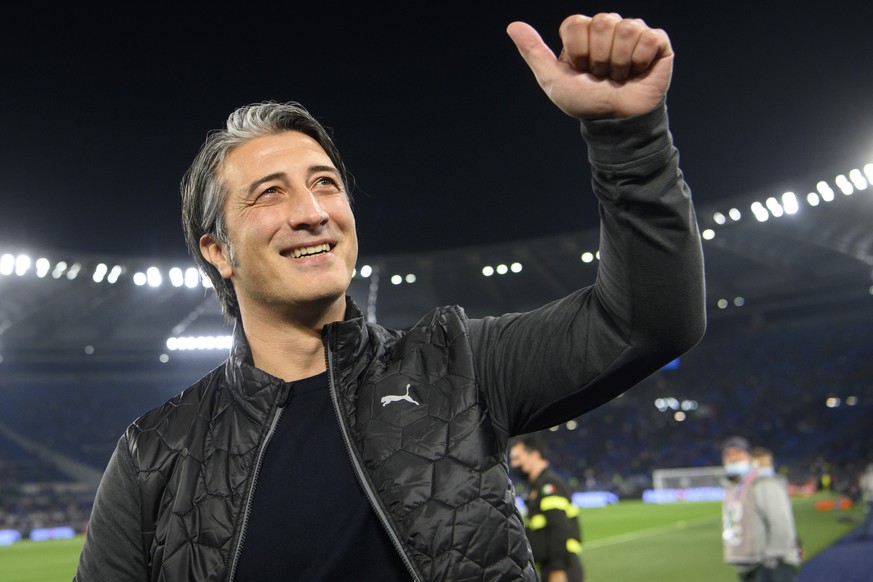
[{"x": 204, "y": 193}]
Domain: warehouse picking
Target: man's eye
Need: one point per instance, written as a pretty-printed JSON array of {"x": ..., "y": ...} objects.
[{"x": 267, "y": 193}]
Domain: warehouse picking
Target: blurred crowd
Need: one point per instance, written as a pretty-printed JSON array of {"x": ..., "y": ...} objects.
[{"x": 803, "y": 390}]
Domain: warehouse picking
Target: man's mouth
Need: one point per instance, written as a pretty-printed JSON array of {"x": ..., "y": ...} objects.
[{"x": 308, "y": 251}]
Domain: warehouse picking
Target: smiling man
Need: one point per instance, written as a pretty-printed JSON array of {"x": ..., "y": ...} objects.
[{"x": 327, "y": 447}]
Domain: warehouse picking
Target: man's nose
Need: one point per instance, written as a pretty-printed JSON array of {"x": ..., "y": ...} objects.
[{"x": 306, "y": 211}]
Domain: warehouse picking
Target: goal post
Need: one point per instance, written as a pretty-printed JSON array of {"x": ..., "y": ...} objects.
[{"x": 687, "y": 477}]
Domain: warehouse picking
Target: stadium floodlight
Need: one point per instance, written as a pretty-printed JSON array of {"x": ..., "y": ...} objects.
[
  {"x": 708, "y": 234},
  {"x": 153, "y": 277},
  {"x": 59, "y": 270},
  {"x": 73, "y": 271},
  {"x": 22, "y": 265},
  {"x": 42, "y": 267},
  {"x": 827, "y": 193},
  {"x": 177, "y": 278},
  {"x": 857, "y": 179},
  {"x": 502, "y": 269},
  {"x": 868, "y": 171},
  {"x": 774, "y": 207},
  {"x": 760, "y": 212},
  {"x": 99, "y": 272},
  {"x": 7, "y": 264},
  {"x": 487, "y": 270},
  {"x": 192, "y": 277},
  {"x": 789, "y": 203},
  {"x": 844, "y": 184},
  {"x": 366, "y": 271},
  {"x": 203, "y": 342},
  {"x": 410, "y": 278},
  {"x": 735, "y": 214},
  {"x": 515, "y": 267},
  {"x": 115, "y": 274},
  {"x": 396, "y": 279},
  {"x": 812, "y": 199},
  {"x": 587, "y": 257}
]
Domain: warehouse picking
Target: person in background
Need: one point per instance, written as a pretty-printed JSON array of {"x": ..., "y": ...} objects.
[
  {"x": 762, "y": 461},
  {"x": 329, "y": 447},
  {"x": 866, "y": 483},
  {"x": 764, "y": 464},
  {"x": 758, "y": 529},
  {"x": 552, "y": 521}
]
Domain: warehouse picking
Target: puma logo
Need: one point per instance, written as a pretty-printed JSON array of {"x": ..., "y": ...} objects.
[{"x": 386, "y": 400}]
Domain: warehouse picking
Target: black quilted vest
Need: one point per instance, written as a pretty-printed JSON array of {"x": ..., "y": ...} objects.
[{"x": 432, "y": 464}]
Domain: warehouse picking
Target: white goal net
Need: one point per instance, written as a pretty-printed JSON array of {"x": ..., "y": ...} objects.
[{"x": 687, "y": 477}]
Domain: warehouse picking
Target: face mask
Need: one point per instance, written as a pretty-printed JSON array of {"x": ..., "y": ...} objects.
[
  {"x": 737, "y": 469},
  {"x": 766, "y": 471},
  {"x": 522, "y": 474}
]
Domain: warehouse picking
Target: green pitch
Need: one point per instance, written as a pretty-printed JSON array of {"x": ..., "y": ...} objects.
[{"x": 630, "y": 541}]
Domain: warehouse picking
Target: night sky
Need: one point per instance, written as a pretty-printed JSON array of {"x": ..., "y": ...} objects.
[{"x": 447, "y": 135}]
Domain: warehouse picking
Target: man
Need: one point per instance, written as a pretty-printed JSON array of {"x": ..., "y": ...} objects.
[
  {"x": 762, "y": 461},
  {"x": 329, "y": 447},
  {"x": 759, "y": 534},
  {"x": 866, "y": 485},
  {"x": 552, "y": 521}
]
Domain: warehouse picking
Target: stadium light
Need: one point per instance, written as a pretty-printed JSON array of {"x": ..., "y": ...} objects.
[
  {"x": 857, "y": 179},
  {"x": 760, "y": 212},
  {"x": 845, "y": 186},
  {"x": 73, "y": 271},
  {"x": 177, "y": 278},
  {"x": 114, "y": 274},
  {"x": 827, "y": 193},
  {"x": 22, "y": 265},
  {"x": 192, "y": 277},
  {"x": 789, "y": 203},
  {"x": 7, "y": 264},
  {"x": 100, "y": 272},
  {"x": 42, "y": 267},
  {"x": 203, "y": 342}
]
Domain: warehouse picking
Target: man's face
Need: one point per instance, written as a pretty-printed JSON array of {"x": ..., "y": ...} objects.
[
  {"x": 734, "y": 455},
  {"x": 521, "y": 460},
  {"x": 291, "y": 227}
]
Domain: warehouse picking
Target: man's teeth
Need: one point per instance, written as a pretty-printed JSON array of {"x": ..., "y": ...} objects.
[{"x": 306, "y": 251}]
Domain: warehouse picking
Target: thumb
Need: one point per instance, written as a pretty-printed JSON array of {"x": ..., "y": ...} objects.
[{"x": 538, "y": 56}]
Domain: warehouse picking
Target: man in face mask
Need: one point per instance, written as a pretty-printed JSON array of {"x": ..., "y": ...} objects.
[
  {"x": 758, "y": 530},
  {"x": 552, "y": 521}
]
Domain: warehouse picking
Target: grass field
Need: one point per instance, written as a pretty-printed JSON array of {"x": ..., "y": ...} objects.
[{"x": 626, "y": 542}]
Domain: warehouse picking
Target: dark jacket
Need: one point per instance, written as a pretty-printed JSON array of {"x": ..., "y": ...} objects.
[{"x": 173, "y": 501}]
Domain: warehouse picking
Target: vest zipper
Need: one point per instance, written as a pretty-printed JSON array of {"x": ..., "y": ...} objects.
[
  {"x": 359, "y": 470},
  {"x": 248, "y": 506}
]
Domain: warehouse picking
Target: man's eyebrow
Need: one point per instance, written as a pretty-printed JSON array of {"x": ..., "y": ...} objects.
[
  {"x": 314, "y": 169},
  {"x": 268, "y": 178}
]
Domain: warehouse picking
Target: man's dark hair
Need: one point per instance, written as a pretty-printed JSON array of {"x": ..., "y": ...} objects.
[
  {"x": 204, "y": 193},
  {"x": 532, "y": 442}
]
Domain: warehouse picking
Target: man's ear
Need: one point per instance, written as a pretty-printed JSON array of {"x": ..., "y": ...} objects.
[{"x": 213, "y": 251}]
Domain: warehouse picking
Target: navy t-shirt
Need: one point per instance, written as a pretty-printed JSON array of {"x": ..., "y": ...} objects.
[{"x": 310, "y": 519}]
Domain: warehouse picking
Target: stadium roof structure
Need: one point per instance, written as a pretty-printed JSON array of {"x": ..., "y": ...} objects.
[{"x": 811, "y": 257}]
